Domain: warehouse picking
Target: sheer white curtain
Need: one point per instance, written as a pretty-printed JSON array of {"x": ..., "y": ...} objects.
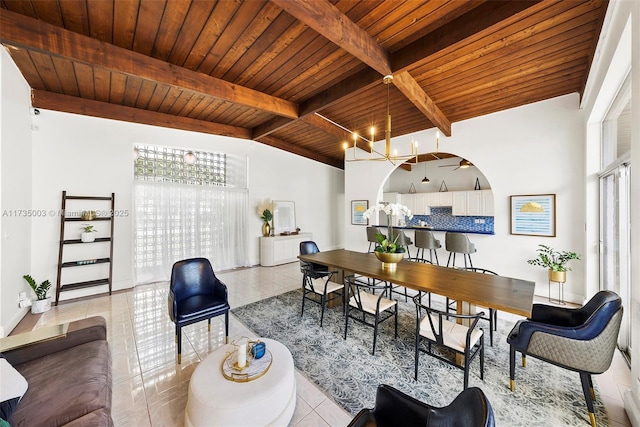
[{"x": 177, "y": 221}]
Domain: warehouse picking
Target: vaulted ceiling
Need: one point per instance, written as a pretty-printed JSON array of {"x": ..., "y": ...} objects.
[{"x": 275, "y": 71}]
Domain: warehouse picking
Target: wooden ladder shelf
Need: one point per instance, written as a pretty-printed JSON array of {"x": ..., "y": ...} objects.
[{"x": 63, "y": 264}]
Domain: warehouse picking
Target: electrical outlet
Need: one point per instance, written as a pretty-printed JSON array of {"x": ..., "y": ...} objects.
[{"x": 481, "y": 221}]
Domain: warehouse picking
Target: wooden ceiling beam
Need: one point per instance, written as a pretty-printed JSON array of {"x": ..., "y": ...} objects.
[
  {"x": 29, "y": 33},
  {"x": 105, "y": 110},
  {"x": 414, "y": 93},
  {"x": 327, "y": 20}
]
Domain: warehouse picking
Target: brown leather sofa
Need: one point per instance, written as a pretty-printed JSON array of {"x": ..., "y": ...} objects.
[{"x": 69, "y": 378}]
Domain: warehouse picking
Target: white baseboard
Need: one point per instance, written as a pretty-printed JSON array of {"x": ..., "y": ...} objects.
[{"x": 632, "y": 407}]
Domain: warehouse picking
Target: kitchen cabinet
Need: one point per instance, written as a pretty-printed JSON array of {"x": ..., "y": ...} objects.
[
  {"x": 408, "y": 200},
  {"x": 441, "y": 198},
  {"x": 421, "y": 205},
  {"x": 472, "y": 203},
  {"x": 416, "y": 202},
  {"x": 459, "y": 205}
]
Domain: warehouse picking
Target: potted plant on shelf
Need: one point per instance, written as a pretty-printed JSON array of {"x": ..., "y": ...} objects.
[
  {"x": 554, "y": 261},
  {"x": 42, "y": 302},
  {"x": 87, "y": 235}
]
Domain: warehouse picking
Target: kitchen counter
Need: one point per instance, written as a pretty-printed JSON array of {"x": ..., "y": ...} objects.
[{"x": 417, "y": 227}]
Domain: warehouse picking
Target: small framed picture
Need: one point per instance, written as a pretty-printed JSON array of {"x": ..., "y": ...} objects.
[
  {"x": 357, "y": 210},
  {"x": 534, "y": 215}
]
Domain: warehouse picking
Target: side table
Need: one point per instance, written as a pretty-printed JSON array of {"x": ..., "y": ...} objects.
[{"x": 214, "y": 400}]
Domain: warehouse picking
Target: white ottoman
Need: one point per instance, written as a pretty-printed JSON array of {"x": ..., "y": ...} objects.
[{"x": 266, "y": 401}]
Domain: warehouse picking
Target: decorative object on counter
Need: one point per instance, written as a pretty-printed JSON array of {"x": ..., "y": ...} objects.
[
  {"x": 264, "y": 210},
  {"x": 556, "y": 263},
  {"x": 88, "y": 215},
  {"x": 477, "y": 186},
  {"x": 389, "y": 245},
  {"x": 443, "y": 187},
  {"x": 42, "y": 302},
  {"x": 87, "y": 235},
  {"x": 533, "y": 215},
  {"x": 358, "y": 208},
  {"x": 412, "y": 189}
]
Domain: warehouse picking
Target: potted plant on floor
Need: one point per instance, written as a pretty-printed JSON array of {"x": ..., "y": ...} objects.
[
  {"x": 42, "y": 302},
  {"x": 554, "y": 261},
  {"x": 87, "y": 235}
]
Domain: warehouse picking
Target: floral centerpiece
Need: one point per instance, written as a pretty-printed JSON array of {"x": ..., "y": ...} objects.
[{"x": 389, "y": 251}]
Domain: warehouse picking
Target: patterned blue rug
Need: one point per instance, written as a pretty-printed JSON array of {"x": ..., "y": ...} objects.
[{"x": 346, "y": 370}]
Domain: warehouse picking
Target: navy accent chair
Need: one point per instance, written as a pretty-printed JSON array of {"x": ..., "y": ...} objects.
[
  {"x": 582, "y": 339},
  {"x": 196, "y": 294},
  {"x": 393, "y": 408},
  {"x": 319, "y": 294}
]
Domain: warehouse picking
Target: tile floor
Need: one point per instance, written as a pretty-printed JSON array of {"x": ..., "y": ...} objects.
[{"x": 150, "y": 389}]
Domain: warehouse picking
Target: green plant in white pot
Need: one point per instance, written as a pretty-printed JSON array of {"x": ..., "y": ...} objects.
[
  {"x": 87, "y": 235},
  {"x": 554, "y": 261},
  {"x": 42, "y": 302}
]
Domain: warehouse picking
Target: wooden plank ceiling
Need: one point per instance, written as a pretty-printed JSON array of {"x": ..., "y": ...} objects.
[{"x": 261, "y": 70}]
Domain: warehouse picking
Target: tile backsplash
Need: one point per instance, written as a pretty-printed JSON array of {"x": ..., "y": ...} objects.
[{"x": 442, "y": 219}]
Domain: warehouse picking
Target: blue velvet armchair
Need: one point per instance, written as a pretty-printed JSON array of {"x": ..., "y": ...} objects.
[
  {"x": 471, "y": 408},
  {"x": 582, "y": 339},
  {"x": 196, "y": 294}
]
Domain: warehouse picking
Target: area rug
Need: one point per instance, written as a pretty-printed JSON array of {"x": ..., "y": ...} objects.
[{"x": 346, "y": 370}]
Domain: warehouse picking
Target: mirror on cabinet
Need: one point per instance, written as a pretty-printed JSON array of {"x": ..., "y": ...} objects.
[{"x": 284, "y": 217}]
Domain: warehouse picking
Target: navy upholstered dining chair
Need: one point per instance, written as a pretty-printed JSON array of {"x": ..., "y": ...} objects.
[
  {"x": 470, "y": 408},
  {"x": 321, "y": 293},
  {"x": 196, "y": 294},
  {"x": 581, "y": 339}
]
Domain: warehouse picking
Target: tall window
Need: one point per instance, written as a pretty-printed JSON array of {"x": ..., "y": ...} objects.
[
  {"x": 188, "y": 204},
  {"x": 615, "y": 198}
]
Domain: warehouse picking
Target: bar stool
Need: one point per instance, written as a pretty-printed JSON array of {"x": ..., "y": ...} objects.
[
  {"x": 372, "y": 238},
  {"x": 426, "y": 240},
  {"x": 458, "y": 243}
]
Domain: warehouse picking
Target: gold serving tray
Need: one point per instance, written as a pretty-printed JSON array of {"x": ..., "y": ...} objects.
[{"x": 254, "y": 369}]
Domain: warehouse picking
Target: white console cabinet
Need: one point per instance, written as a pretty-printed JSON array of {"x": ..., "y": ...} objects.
[{"x": 281, "y": 249}]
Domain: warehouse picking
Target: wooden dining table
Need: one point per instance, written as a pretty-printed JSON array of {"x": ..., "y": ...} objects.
[{"x": 468, "y": 288}]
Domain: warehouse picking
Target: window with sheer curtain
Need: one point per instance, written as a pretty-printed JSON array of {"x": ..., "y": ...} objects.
[{"x": 185, "y": 210}]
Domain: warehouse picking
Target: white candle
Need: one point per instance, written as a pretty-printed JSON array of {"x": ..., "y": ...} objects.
[{"x": 242, "y": 355}]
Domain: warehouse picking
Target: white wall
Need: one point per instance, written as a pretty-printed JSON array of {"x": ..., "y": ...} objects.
[
  {"x": 534, "y": 149},
  {"x": 15, "y": 201},
  {"x": 92, "y": 156}
]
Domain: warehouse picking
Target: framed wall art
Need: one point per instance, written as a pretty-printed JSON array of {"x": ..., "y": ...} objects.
[
  {"x": 534, "y": 215},
  {"x": 357, "y": 210}
]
